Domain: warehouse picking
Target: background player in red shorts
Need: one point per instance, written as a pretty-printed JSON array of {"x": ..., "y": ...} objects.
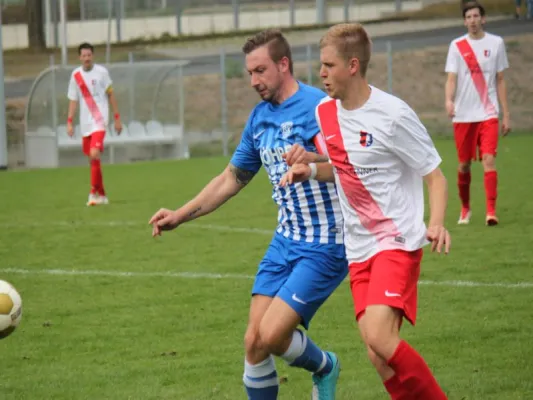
[
  {"x": 90, "y": 85},
  {"x": 475, "y": 83},
  {"x": 380, "y": 154}
]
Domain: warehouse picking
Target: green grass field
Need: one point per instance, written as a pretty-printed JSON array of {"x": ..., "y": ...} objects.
[{"x": 111, "y": 313}]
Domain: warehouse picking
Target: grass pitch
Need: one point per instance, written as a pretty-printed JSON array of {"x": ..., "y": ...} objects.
[{"x": 110, "y": 313}]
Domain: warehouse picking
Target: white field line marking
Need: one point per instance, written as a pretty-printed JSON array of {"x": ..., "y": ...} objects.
[
  {"x": 208, "y": 275},
  {"x": 76, "y": 224}
]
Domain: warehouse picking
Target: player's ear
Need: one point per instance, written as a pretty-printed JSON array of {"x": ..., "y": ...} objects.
[
  {"x": 354, "y": 65},
  {"x": 284, "y": 64}
]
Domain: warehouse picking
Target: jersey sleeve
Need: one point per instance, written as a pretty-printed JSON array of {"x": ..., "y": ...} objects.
[
  {"x": 502, "y": 62},
  {"x": 72, "y": 92},
  {"x": 452, "y": 64},
  {"x": 247, "y": 156},
  {"x": 412, "y": 143},
  {"x": 319, "y": 140},
  {"x": 107, "y": 80}
]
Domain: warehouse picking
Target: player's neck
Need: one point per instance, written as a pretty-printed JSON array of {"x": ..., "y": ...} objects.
[
  {"x": 288, "y": 89},
  {"x": 87, "y": 69},
  {"x": 357, "y": 94},
  {"x": 477, "y": 35}
]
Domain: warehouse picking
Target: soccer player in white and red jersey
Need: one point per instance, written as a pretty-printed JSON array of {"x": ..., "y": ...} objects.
[
  {"x": 380, "y": 154},
  {"x": 475, "y": 65},
  {"x": 90, "y": 85}
]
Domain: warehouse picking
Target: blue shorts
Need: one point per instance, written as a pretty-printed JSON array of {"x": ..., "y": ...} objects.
[{"x": 302, "y": 274}]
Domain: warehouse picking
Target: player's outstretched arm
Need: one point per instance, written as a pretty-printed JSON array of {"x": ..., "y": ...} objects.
[
  {"x": 212, "y": 196},
  {"x": 438, "y": 200},
  {"x": 322, "y": 172}
]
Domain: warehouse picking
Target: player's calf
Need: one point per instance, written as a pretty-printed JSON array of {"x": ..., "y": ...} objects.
[
  {"x": 491, "y": 188},
  {"x": 261, "y": 380},
  {"x": 463, "y": 185},
  {"x": 260, "y": 377},
  {"x": 411, "y": 373}
]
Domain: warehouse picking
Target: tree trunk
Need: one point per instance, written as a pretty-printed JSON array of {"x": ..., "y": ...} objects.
[{"x": 34, "y": 10}]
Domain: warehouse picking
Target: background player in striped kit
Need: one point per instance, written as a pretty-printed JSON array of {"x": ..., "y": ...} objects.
[
  {"x": 91, "y": 86},
  {"x": 305, "y": 261},
  {"x": 475, "y": 65}
]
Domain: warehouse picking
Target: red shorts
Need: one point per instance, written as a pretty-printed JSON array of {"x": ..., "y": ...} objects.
[
  {"x": 470, "y": 136},
  {"x": 94, "y": 141},
  {"x": 390, "y": 278}
]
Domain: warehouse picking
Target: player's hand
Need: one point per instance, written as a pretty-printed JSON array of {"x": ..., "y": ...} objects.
[
  {"x": 506, "y": 126},
  {"x": 440, "y": 238},
  {"x": 297, "y": 173},
  {"x": 450, "y": 108},
  {"x": 118, "y": 126},
  {"x": 70, "y": 129},
  {"x": 298, "y": 155},
  {"x": 163, "y": 220}
]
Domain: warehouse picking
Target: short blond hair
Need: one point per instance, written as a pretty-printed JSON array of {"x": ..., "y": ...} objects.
[{"x": 351, "y": 41}]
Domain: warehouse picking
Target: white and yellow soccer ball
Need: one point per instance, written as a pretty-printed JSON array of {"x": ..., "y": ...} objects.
[{"x": 10, "y": 309}]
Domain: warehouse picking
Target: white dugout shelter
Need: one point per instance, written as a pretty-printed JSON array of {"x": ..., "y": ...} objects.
[{"x": 151, "y": 100}]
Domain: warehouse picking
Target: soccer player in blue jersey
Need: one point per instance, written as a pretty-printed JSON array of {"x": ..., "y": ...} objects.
[{"x": 306, "y": 260}]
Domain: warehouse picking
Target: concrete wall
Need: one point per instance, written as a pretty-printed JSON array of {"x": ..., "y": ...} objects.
[{"x": 95, "y": 31}]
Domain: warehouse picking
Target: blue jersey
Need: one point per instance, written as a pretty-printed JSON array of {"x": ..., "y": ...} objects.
[{"x": 308, "y": 211}]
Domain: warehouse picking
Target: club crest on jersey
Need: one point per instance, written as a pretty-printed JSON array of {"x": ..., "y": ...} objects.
[
  {"x": 487, "y": 53},
  {"x": 366, "y": 139},
  {"x": 286, "y": 129}
]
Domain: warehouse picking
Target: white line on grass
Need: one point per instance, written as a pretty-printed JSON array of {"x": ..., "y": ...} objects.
[
  {"x": 208, "y": 275},
  {"x": 76, "y": 224}
]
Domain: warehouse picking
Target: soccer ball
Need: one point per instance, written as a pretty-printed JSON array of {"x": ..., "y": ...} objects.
[{"x": 10, "y": 309}]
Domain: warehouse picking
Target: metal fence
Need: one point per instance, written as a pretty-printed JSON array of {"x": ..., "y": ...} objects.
[
  {"x": 113, "y": 21},
  {"x": 84, "y": 10}
]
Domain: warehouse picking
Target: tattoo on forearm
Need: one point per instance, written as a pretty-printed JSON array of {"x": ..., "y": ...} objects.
[
  {"x": 322, "y": 158},
  {"x": 242, "y": 176},
  {"x": 194, "y": 212}
]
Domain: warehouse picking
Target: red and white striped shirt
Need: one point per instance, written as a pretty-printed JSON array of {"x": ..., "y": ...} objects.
[
  {"x": 380, "y": 153},
  {"x": 476, "y": 63},
  {"x": 89, "y": 88}
]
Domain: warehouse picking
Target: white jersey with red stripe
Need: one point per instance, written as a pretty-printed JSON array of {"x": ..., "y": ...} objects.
[
  {"x": 89, "y": 88},
  {"x": 476, "y": 63},
  {"x": 380, "y": 153}
]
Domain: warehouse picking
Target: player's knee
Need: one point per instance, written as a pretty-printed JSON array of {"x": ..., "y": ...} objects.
[
  {"x": 489, "y": 162},
  {"x": 464, "y": 167},
  {"x": 252, "y": 341},
  {"x": 271, "y": 339},
  {"x": 94, "y": 154},
  {"x": 376, "y": 339},
  {"x": 381, "y": 332},
  {"x": 379, "y": 363}
]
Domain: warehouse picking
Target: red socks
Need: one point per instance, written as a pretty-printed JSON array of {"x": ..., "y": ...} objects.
[
  {"x": 413, "y": 378},
  {"x": 463, "y": 183},
  {"x": 395, "y": 389},
  {"x": 491, "y": 191},
  {"x": 97, "y": 182}
]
